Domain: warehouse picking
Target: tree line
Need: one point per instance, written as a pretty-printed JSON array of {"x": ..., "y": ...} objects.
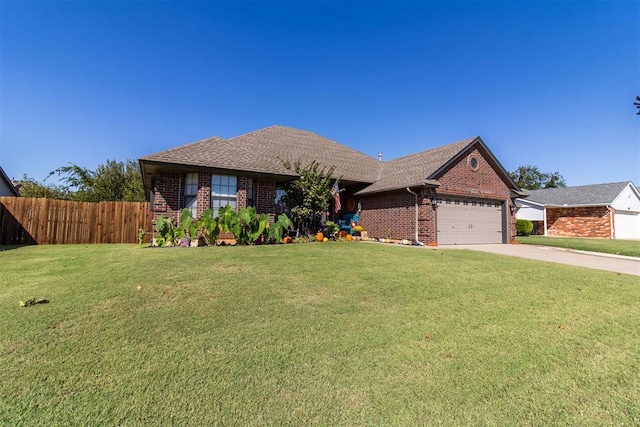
[{"x": 112, "y": 181}]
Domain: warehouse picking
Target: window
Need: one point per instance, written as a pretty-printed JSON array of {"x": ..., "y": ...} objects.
[
  {"x": 224, "y": 190},
  {"x": 191, "y": 193},
  {"x": 251, "y": 193},
  {"x": 279, "y": 201}
]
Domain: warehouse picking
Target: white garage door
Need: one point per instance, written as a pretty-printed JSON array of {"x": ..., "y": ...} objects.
[
  {"x": 627, "y": 225},
  {"x": 469, "y": 221}
]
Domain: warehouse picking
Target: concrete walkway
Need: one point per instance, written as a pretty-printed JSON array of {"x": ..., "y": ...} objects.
[{"x": 599, "y": 261}]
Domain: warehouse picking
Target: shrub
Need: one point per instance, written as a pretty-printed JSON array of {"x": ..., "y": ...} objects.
[
  {"x": 524, "y": 227},
  {"x": 332, "y": 228}
]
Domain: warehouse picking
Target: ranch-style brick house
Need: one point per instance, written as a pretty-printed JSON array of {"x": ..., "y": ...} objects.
[
  {"x": 610, "y": 211},
  {"x": 453, "y": 194}
]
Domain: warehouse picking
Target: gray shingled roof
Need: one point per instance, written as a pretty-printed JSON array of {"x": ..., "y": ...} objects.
[
  {"x": 261, "y": 151},
  {"x": 583, "y": 195},
  {"x": 416, "y": 169}
]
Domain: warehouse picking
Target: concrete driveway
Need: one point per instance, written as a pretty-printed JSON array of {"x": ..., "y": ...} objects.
[{"x": 599, "y": 261}]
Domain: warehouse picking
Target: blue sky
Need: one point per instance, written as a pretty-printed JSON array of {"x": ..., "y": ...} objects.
[{"x": 549, "y": 84}]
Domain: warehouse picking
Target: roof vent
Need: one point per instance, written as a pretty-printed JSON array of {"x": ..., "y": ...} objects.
[{"x": 380, "y": 156}]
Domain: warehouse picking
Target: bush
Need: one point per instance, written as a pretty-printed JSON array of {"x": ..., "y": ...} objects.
[{"x": 524, "y": 227}]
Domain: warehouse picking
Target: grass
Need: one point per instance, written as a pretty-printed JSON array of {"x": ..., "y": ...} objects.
[
  {"x": 326, "y": 334},
  {"x": 609, "y": 246}
]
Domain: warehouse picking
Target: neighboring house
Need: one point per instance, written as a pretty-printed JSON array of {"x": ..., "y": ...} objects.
[
  {"x": 454, "y": 194},
  {"x": 6, "y": 186},
  {"x": 602, "y": 210}
]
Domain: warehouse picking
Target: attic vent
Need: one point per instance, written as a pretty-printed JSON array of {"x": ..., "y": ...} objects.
[{"x": 473, "y": 162}]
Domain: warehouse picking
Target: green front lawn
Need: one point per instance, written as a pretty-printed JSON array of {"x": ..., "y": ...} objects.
[
  {"x": 609, "y": 246},
  {"x": 329, "y": 334}
]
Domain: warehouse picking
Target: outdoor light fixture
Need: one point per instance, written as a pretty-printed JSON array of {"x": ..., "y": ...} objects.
[
  {"x": 513, "y": 208},
  {"x": 434, "y": 202}
]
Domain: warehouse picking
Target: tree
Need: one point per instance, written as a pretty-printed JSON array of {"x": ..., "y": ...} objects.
[
  {"x": 530, "y": 178},
  {"x": 30, "y": 187},
  {"x": 112, "y": 181},
  {"x": 308, "y": 197}
]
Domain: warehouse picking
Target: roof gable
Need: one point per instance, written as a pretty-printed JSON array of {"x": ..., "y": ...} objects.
[
  {"x": 628, "y": 199},
  {"x": 416, "y": 169},
  {"x": 583, "y": 195},
  {"x": 427, "y": 167}
]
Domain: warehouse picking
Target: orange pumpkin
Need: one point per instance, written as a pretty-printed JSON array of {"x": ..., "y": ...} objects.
[
  {"x": 349, "y": 238},
  {"x": 319, "y": 236},
  {"x": 287, "y": 239}
]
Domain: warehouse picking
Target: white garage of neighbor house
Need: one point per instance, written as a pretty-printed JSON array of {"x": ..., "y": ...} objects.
[{"x": 601, "y": 210}]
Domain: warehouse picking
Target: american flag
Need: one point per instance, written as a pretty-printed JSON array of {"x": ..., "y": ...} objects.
[{"x": 336, "y": 197}]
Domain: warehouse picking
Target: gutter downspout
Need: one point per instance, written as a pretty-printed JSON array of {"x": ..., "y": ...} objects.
[
  {"x": 544, "y": 217},
  {"x": 417, "y": 242}
]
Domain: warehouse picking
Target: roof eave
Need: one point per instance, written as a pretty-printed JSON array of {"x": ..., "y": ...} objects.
[
  {"x": 529, "y": 202},
  {"x": 428, "y": 183},
  {"x": 588, "y": 205}
]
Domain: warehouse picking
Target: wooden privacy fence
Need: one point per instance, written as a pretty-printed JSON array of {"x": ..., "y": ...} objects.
[{"x": 25, "y": 220}]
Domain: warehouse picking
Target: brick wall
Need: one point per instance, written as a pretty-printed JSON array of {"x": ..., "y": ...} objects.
[
  {"x": 266, "y": 196},
  {"x": 393, "y": 215},
  {"x": 242, "y": 192},
  {"x": 484, "y": 182},
  {"x": 427, "y": 217},
  {"x": 168, "y": 197},
  {"x": 169, "y": 194},
  {"x": 579, "y": 222},
  {"x": 204, "y": 193}
]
